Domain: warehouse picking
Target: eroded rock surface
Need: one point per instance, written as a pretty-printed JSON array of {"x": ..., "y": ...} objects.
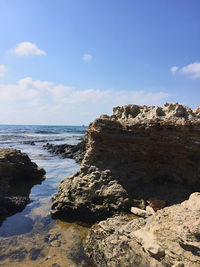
[
  {"x": 17, "y": 175},
  {"x": 149, "y": 152},
  {"x": 170, "y": 237},
  {"x": 90, "y": 195}
]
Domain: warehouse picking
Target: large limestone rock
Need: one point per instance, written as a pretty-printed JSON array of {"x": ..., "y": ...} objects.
[
  {"x": 170, "y": 237},
  {"x": 89, "y": 195},
  {"x": 17, "y": 175},
  {"x": 150, "y": 152}
]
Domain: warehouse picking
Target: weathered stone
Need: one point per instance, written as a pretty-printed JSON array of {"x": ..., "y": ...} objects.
[
  {"x": 89, "y": 196},
  {"x": 17, "y": 175},
  {"x": 138, "y": 212},
  {"x": 150, "y": 210},
  {"x": 146, "y": 151},
  {"x": 165, "y": 239},
  {"x": 75, "y": 152}
]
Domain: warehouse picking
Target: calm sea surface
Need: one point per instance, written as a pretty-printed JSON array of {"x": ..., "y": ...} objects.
[{"x": 31, "y": 237}]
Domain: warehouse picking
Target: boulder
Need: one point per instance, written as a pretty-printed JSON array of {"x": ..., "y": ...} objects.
[
  {"x": 17, "y": 175},
  {"x": 89, "y": 195}
]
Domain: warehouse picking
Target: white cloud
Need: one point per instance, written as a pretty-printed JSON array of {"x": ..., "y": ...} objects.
[
  {"x": 41, "y": 102},
  {"x": 28, "y": 49},
  {"x": 174, "y": 69},
  {"x": 87, "y": 57},
  {"x": 191, "y": 70},
  {"x": 2, "y": 70}
]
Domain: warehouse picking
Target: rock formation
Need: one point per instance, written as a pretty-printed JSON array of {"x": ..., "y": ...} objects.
[
  {"x": 170, "y": 237},
  {"x": 138, "y": 153},
  {"x": 17, "y": 175},
  {"x": 76, "y": 152}
]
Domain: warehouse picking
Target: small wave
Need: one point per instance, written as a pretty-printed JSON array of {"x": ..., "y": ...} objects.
[{"x": 47, "y": 132}]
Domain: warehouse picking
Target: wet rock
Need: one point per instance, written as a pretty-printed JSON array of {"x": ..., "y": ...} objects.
[
  {"x": 34, "y": 253},
  {"x": 75, "y": 152},
  {"x": 32, "y": 143},
  {"x": 17, "y": 175},
  {"x": 78, "y": 256},
  {"x": 18, "y": 254}
]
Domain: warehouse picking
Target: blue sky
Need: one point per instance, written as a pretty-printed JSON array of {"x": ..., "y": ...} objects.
[{"x": 68, "y": 61}]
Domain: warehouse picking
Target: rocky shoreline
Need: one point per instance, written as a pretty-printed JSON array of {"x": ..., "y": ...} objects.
[
  {"x": 17, "y": 176},
  {"x": 146, "y": 157},
  {"x": 76, "y": 152},
  {"x": 137, "y": 153}
]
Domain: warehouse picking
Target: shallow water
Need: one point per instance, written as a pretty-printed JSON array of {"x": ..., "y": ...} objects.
[{"x": 32, "y": 237}]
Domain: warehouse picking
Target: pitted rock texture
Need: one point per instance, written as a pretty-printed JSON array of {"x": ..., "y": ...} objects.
[
  {"x": 89, "y": 195},
  {"x": 149, "y": 152},
  {"x": 171, "y": 111},
  {"x": 171, "y": 237},
  {"x": 17, "y": 175}
]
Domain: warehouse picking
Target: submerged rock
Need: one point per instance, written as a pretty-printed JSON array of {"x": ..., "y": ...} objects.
[
  {"x": 138, "y": 153},
  {"x": 17, "y": 175},
  {"x": 169, "y": 238}
]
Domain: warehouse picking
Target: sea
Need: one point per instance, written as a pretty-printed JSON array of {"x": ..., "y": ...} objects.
[{"x": 32, "y": 237}]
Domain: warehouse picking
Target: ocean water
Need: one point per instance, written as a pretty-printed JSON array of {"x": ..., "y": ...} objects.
[{"x": 32, "y": 237}]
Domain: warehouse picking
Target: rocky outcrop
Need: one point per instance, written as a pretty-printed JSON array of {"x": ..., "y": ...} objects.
[
  {"x": 143, "y": 152},
  {"x": 170, "y": 237},
  {"x": 89, "y": 195},
  {"x": 17, "y": 175},
  {"x": 76, "y": 152}
]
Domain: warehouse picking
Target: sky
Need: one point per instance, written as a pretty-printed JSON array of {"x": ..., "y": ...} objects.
[{"x": 65, "y": 62}]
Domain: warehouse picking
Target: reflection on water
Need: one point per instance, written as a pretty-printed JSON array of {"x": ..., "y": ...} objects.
[
  {"x": 46, "y": 244},
  {"x": 31, "y": 238}
]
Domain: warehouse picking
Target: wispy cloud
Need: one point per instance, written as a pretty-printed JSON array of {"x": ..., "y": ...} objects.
[
  {"x": 60, "y": 104},
  {"x": 174, "y": 69},
  {"x": 2, "y": 70},
  {"x": 191, "y": 70},
  {"x": 28, "y": 49},
  {"x": 87, "y": 57}
]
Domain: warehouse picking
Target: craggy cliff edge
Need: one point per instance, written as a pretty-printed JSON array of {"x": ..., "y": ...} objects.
[
  {"x": 17, "y": 175},
  {"x": 137, "y": 153}
]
